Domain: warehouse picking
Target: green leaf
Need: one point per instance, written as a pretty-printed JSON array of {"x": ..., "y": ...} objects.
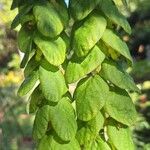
[
  {"x": 14, "y": 4},
  {"x": 54, "y": 50},
  {"x": 63, "y": 119},
  {"x": 77, "y": 69},
  {"x": 61, "y": 5},
  {"x": 52, "y": 84},
  {"x": 48, "y": 22},
  {"x": 24, "y": 39},
  {"x": 24, "y": 10},
  {"x": 66, "y": 39},
  {"x": 52, "y": 142},
  {"x": 41, "y": 122},
  {"x": 88, "y": 131},
  {"x": 35, "y": 100},
  {"x": 121, "y": 2},
  {"x": 81, "y": 8},
  {"x": 90, "y": 96},
  {"x": 26, "y": 57},
  {"x": 113, "y": 72},
  {"x": 112, "y": 12},
  {"x": 121, "y": 134},
  {"x": 31, "y": 66},
  {"x": 86, "y": 36},
  {"x": 18, "y": 3},
  {"x": 28, "y": 84},
  {"x": 27, "y": 19},
  {"x": 112, "y": 40},
  {"x": 120, "y": 106},
  {"x": 99, "y": 144}
]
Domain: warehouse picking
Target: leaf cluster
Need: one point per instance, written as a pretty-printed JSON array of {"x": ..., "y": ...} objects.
[{"x": 97, "y": 115}]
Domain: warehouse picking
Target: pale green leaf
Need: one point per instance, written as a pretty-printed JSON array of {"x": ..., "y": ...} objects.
[
  {"x": 99, "y": 144},
  {"x": 120, "y": 133},
  {"x": 54, "y": 50},
  {"x": 112, "y": 72},
  {"x": 52, "y": 142},
  {"x": 88, "y": 131},
  {"x": 28, "y": 84},
  {"x": 48, "y": 22},
  {"x": 52, "y": 84},
  {"x": 112, "y": 40},
  {"x": 82, "y": 8},
  {"x": 112, "y": 12},
  {"x": 120, "y": 106},
  {"x": 90, "y": 96},
  {"x": 86, "y": 36},
  {"x": 77, "y": 69}
]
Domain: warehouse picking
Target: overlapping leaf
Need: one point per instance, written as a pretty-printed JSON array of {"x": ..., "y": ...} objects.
[
  {"x": 111, "y": 11},
  {"x": 120, "y": 106},
  {"x": 61, "y": 5},
  {"x": 28, "y": 84},
  {"x": 62, "y": 112},
  {"x": 88, "y": 131},
  {"x": 112, "y": 72},
  {"x": 63, "y": 119},
  {"x": 41, "y": 122},
  {"x": 48, "y": 22},
  {"x": 31, "y": 66},
  {"x": 23, "y": 11},
  {"x": 52, "y": 142},
  {"x": 52, "y": 84},
  {"x": 99, "y": 144},
  {"x": 90, "y": 96},
  {"x": 77, "y": 69},
  {"x": 53, "y": 50},
  {"x": 35, "y": 100},
  {"x": 86, "y": 36},
  {"x": 112, "y": 40},
  {"x": 120, "y": 133},
  {"x": 81, "y": 8}
]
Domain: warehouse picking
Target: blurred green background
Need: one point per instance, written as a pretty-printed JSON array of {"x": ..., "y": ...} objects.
[{"x": 16, "y": 124}]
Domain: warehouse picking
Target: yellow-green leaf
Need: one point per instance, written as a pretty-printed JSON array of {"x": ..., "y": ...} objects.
[
  {"x": 119, "y": 136},
  {"x": 52, "y": 142},
  {"x": 77, "y": 69},
  {"x": 112, "y": 12},
  {"x": 88, "y": 131},
  {"x": 63, "y": 119},
  {"x": 112, "y": 40},
  {"x": 48, "y": 19},
  {"x": 52, "y": 84},
  {"x": 28, "y": 83},
  {"x": 54, "y": 50},
  {"x": 86, "y": 36},
  {"x": 120, "y": 106},
  {"x": 82, "y": 8},
  {"x": 112, "y": 72},
  {"x": 90, "y": 96}
]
